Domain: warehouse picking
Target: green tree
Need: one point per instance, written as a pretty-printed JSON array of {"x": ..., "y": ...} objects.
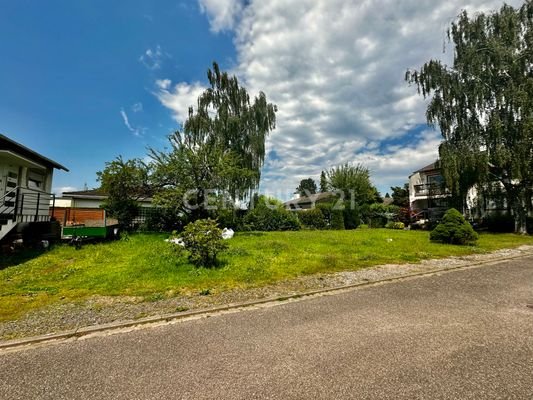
[
  {"x": 306, "y": 187},
  {"x": 483, "y": 105},
  {"x": 400, "y": 195},
  {"x": 354, "y": 182},
  {"x": 220, "y": 149},
  {"x": 323, "y": 182},
  {"x": 125, "y": 182}
]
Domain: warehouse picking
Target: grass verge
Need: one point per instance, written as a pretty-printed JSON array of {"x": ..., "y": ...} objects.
[{"x": 147, "y": 267}]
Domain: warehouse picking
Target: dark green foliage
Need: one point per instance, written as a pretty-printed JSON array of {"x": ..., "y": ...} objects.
[
  {"x": 162, "y": 220},
  {"x": 400, "y": 195},
  {"x": 337, "y": 219},
  {"x": 499, "y": 222},
  {"x": 271, "y": 218},
  {"x": 483, "y": 105},
  {"x": 312, "y": 218},
  {"x": 352, "y": 217},
  {"x": 230, "y": 218},
  {"x": 203, "y": 240},
  {"x": 453, "y": 229},
  {"x": 326, "y": 209},
  {"x": 378, "y": 214},
  {"x": 306, "y": 187},
  {"x": 323, "y": 182},
  {"x": 125, "y": 182}
]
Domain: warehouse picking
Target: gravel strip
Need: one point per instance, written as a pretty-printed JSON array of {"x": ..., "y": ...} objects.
[{"x": 102, "y": 310}]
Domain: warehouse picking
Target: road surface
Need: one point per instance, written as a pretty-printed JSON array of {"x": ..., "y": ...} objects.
[{"x": 465, "y": 334}]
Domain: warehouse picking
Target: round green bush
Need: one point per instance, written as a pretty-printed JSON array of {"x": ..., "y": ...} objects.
[
  {"x": 203, "y": 240},
  {"x": 453, "y": 229},
  {"x": 312, "y": 218}
]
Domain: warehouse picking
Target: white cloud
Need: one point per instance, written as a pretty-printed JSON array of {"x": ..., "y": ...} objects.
[
  {"x": 335, "y": 68},
  {"x": 58, "y": 191},
  {"x": 153, "y": 58},
  {"x": 179, "y": 98},
  {"x": 222, "y": 14},
  {"x": 137, "y": 131}
]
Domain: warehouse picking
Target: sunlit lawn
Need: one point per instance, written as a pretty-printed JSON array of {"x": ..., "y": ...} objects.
[{"x": 146, "y": 266}]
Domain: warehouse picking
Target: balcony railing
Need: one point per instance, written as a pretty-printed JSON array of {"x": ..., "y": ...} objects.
[
  {"x": 26, "y": 205},
  {"x": 430, "y": 189}
]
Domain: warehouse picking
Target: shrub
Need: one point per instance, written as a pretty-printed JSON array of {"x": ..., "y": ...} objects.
[
  {"x": 162, "y": 220},
  {"x": 325, "y": 209},
  {"x": 264, "y": 218},
  {"x": 337, "y": 219},
  {"x": 203, "y": 240},
  {"x": 312, "y": 218},
  {"x": 394, "y": 225},
  {"x": 352, "y": 218},
  {"x": 499, "y": 222},
  {"x": 454, "y": 229}
]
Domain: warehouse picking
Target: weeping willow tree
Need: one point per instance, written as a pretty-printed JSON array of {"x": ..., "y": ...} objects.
[
  {"x": 220, "y": 149},
  {"x": 483, "y": 105}
]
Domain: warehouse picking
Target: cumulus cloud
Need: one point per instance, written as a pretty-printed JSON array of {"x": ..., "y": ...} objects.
[
  {"x": 335, "y": 68},
  {"x": 178, "y": 98},
  {"x": 222, "y": 14}
]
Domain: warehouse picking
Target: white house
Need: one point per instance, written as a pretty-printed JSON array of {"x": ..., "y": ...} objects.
[{"x": 25, "y": 185}]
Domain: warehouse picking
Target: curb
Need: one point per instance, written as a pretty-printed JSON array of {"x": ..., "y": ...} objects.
[{"x": 174, "y": 317}]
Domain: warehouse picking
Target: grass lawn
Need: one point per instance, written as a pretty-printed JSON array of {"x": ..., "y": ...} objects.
[{"x": 148, "y": 267}]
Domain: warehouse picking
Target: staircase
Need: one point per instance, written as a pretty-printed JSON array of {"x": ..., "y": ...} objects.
[
  {"x": 8, "y": 204},
  {"x": 23, "y": 205}
]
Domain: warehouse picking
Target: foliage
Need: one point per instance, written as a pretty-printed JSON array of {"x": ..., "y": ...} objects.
[
  {"x": 400, "y": 195},
  {"x": 483, "y": 105},
  {"x": 306, "y": 187},
  {"x": 203, "y": 240},
  {"x": 352, "y": 217},
  {"x": 454, "y": 229},
  {"x": 163, "y": 220},
  {"x": 326, "y": 210},
  {"x": 323, "y": 182},
  {"x": 499, "y": 222},
  {"x": 354, "y": 182},
  {"x": 125, "y": 182},
  {"x": 337, "y": 219},
  {"x": 312, "y": 218},
  {"x": 394, "y": 225},
  {"x": 220, "y": 150},
  {"x": 378, "y": 214},
  {"x": 269, "y": 215}
]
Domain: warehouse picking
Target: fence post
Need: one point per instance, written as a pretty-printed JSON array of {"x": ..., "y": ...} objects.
[{"x": 15, "y": 210}]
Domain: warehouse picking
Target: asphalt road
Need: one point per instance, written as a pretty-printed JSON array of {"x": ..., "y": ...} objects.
[{"x": 461, "y": 335}]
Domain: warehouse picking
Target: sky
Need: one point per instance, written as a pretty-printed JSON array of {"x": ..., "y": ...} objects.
[{"x": 85, "y": 81}]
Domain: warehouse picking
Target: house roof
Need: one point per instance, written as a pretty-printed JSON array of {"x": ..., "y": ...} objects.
[
  {"x": 309, "y": 199},
  {"x": 95, "y": 194},
  {"x": 92, "y": 193},
  {"x": 10, "y": 145},
  {"x": 430, "y": 167}
]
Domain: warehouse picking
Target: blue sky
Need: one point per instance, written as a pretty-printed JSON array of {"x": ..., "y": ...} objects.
[{"x": 85, "y": 81}]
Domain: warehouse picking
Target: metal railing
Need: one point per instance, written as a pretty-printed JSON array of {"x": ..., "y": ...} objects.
[
  {"x": 430, "y": 189},
  {"x": 27, "y": 205}
]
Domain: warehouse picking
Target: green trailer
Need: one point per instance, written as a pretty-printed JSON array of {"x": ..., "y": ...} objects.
[{"x": 86, "y": 232}]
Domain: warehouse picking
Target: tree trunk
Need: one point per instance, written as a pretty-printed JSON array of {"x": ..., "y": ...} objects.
[{"x": 519, "y": 207}]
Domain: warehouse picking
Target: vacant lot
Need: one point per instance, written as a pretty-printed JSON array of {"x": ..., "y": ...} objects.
[{"x": 146, "y": 266}]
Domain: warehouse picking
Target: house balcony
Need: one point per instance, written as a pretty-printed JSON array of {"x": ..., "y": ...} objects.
[{"x": 431, "y": 190}]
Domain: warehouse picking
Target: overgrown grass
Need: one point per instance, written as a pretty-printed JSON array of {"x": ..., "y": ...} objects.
[{"x": 148, "y": 267}]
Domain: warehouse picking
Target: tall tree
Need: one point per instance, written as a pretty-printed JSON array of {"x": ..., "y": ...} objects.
[
  {"x": 323, "y": 182},
  {"x": 400, "y": 195},
  {"x": 354, "y": 182},
  {"x": 124, "y": 182},
  {"x": 221, "y": 147},
  {"x": 483, "y": 104},
  {"x": 306, "y": 187}
]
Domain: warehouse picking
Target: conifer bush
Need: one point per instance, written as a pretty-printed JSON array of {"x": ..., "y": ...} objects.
[{"x": 453, "y": 229}]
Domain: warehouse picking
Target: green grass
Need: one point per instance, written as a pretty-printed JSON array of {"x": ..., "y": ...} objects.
[{"x": 147, "y": 267}]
